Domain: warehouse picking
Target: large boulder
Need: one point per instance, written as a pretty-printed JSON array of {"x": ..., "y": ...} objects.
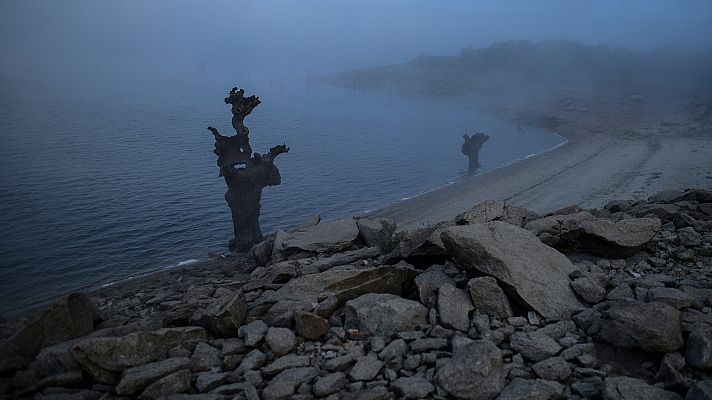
[
  {"x": 224, "y": 316},
  {"x": 475, "y": 372},
  {"x": 343, "y": 284},
  {"x": 555, "y": 224},
  {"x": 625, "y": 388},
  {"x": 72, "y": 316},
  {"x": 106, "y": 357},
  {"x": 376, "y": 232},
  {"x": 382, "y": 314},
  {"x": 613, "y": 238},
  {"x": 327, "y": 237},
  {"x": 634, "y": 324},
  {"x": 699, "y": 348},
  {"x": 454, "y": 306},
  {"x": 493, "y": 210},
  {"x": 534, "y": 272}
]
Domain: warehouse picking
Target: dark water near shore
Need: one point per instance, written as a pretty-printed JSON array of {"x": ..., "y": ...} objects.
[{"x": 100, "y": 185}]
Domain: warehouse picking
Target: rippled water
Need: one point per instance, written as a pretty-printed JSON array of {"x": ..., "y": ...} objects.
[{"x": 100, "y": 185}]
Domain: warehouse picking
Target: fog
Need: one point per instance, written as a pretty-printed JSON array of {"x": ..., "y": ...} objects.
[{"x": 183, "y": 40}]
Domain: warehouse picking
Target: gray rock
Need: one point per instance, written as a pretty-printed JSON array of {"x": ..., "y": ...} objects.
[
  {"x": 177, "y": 382},
  {"x": 413, "y": 387},
  {"x": 72, "y": 316},
  {"x": 475, "y": 373},
  {"x": 329, "y": 384},
  {"x": 208, "y": 381},
  {"x": 137, "y": 378},
  {"x": 366, "y": 368},
  {"x": 205, "y": 357},
  {"x": 262, "y": 252},
  {"x": 253, "y": 332},
  {"x": 341, "y": 363},
  {"x": 537, "y": 273},
  {"x": 625, "y": 388},
  {"x": 614, "y": 239},
  {"x": 670, "y": 296},
  {"x": 454, "y": 306},
  {"x": 384, "y": 314},
  {"x": 253, "y": 360},
  {"x": 553, "y": 369},
  {"x": 327, "y": 306},
  {"x": 589, "y": 289},
  {"x": 428, "y": 284},
  {"x": 280, "y": 340},
  {"x": 283, "y": 363},
  {"x": 285, "y": 384},
  {"x": 634, "y": 324},
  {"x": 429, "y": 344},
  {"x": 310, "y": 325},
  {"x": 555, "y": 224},
  {"x": 488, "y": 298},
  {"x": 532, "y": 389},
  {"x": 228, "y": 390},
  {"x": 343, "y": 284},
  {"x": 326, "y": 237},
  {"x": 375, "y": 232},
  {"x": 105, "y": 357},
  {"x": 281, "y": 314},
  {"x": 224, "y": 316},
  {"x": 535, "y": 346},
  {"x": 493, "y": 210},
  {"x": 702, "y": 390},
  {"x": 395, "y": 349},
  {"x": 699, "y": 348}
]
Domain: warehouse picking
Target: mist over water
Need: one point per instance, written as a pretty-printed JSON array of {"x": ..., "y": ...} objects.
[{"x": 107, "y": 170}]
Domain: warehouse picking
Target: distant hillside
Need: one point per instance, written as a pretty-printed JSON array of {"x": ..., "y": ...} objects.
[{"x": 550, "y": 63}]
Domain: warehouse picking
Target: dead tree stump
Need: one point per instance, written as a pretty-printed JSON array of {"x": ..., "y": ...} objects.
[
  {"x": 245, "y": 174},
  {"x": 471, "y": 148}
]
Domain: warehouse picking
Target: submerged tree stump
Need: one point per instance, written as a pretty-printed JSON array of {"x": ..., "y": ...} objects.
[
  {"x": 245, "y": 174},
  {"x": 471, "y": 148}
]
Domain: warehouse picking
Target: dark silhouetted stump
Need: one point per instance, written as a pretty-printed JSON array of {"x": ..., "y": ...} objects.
[
  {"x": 245, "y": 174},
  {"x": 471, "y": 148}
]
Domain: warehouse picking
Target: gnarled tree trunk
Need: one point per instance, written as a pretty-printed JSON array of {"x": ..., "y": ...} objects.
[
  {"x": 471, "y": 148},
  {"x": 245, "y": 174}
]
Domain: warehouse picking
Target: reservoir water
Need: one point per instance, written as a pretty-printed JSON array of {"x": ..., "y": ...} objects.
[{"x": 119, "y": 180}]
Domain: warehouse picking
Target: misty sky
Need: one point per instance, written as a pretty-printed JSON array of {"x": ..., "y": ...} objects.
[{"x": 175, "y": 38}]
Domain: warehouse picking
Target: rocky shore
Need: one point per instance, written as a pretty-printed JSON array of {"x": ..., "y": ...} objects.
[{"x": 497, "y": 303}]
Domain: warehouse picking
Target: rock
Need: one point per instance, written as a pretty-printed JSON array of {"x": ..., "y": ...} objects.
[
  {"x": 281, "y": 314},
  {"x": 327, "y": 307},
  {"x": 535, "y": 346},
  {"x": 702, "y": 390},
  {"x": 634, "y": 324},
  {"x": 253, "y": 360},
  {"x": 310, "y": 325},
  {"x": 343, "y": 284},
  {"x": 476, "y": 372},
  {"x": 375, "y": 232},
  {"x": 532, "y": 389},
  {"x": 553, "y": 369},
  {"x": 253, "y": 332},
  {"x": 589, "y": 289},
  {"x": 413, "y": 387},
  {"x": 429, "y": 282},
  {"x": 454, "y": 306},
  {"x": 492, "y": 210},
  {"x": 614, "y": 239},
  {"x": 537, "y": 273},
  {"x": 555, "y": 224},
  {"x": 224, "y": 316},
  {"x": 698, "y": 351},
  {"x": 329, "y": 384},
  {"x": 625, "y": 388},
  {"x": 262, "y": 252},
  {"x": 280, "y": 340},
  {"x": 105, "y": 357},
  {"x": 689, "y": 237},
  {"x": 341, "y": 363},
  {"x": 137, "y": 378},
  {"x": 488, "y": 298},
  {"x": 285, "y": 384},
  {"x": 205, "y": 357},
  {"x": 208, "y": 381},
  {"x": 72, "y": 316},
  {"x": 283, "y": 363},
  {"x": 395, "y": 349},
  {"x": 177, "y": 382},
  {"x": 384, "y": 314},
  {"x": 430, "y": 344},
  {"x": 327, "y": 237},
  {"x": 670, "y": 296},
  {"x": 366, "y": 368}
]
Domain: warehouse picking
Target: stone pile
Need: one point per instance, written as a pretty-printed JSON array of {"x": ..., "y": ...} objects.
[{"x": 613, "y": 303}]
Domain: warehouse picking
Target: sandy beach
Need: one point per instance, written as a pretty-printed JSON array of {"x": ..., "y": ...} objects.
[{"x": 616, "y": 149}]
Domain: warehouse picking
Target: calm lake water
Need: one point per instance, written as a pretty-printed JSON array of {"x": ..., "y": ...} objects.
[{"x": 103, "y": 184}]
